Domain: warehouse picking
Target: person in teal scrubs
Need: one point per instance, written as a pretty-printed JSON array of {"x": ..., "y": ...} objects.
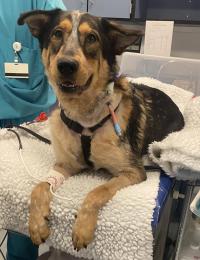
[{"x": 22, "y": 100}]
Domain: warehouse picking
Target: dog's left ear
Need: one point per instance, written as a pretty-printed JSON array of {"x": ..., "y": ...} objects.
[{"x": 120, "y": 36}]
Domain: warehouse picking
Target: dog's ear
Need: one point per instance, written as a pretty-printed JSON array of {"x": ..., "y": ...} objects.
[
  {"x": 37, "y": 20},
  {"x": 120, "y": 37}
]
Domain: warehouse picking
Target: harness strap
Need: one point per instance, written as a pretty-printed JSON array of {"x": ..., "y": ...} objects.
[
  {"x": 86, "y": 148},
  {"x": 78, "y": 128},
  {"x": 75, "y": 126},
  {"x": 85, "y": 139}
]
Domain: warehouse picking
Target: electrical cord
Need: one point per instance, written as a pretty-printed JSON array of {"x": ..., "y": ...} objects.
[
  {"x": 18, "y": 137},
  {"x": 3, "y": 240},
  {"x": 20, "y": 149},
  {"x": 26, "y": 167},
  {"x": 41, "y": 138}
]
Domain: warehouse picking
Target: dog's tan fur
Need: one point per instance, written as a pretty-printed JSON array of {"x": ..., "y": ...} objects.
[
  {"x": 66, "y": 25},
  {"x": 70, "y": 40}
]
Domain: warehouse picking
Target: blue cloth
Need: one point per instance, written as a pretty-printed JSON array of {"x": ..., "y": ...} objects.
[
  {"x": 22, "y": 99},
  {"x": 20, "y": 247},
  {"x": 165, "y": 186}
]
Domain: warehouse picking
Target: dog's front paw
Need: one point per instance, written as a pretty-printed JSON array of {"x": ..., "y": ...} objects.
[
  {"x": 39, "y": 213},
  {"x": 38, "y": 228},
  {"x": 83, "y": 229}
]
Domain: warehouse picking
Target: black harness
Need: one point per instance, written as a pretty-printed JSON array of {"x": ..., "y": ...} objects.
[{"x": 85, "y": 139}]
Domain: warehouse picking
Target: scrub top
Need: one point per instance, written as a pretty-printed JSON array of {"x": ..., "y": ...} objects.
[{"x": 22, "y": 99}]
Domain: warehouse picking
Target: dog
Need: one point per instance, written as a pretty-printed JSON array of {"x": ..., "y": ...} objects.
[{"x": 103, "y": 120}]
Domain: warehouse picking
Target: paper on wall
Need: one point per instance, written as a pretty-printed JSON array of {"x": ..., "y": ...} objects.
[{"x": 158, "y": 38}]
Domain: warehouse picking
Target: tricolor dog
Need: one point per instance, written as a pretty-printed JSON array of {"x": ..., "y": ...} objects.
[{"x": 103, "y": 120}]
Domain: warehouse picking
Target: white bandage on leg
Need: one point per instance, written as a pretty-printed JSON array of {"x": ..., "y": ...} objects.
[{"x": 55, "y": 179}]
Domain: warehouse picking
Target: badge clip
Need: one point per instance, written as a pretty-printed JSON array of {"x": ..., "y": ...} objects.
[{"x": 17, "y": 48}]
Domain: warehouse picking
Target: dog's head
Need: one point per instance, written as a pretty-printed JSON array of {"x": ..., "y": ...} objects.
[{"x": 78, "y": 49}]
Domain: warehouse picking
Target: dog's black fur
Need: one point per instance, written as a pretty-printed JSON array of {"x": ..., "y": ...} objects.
[{"x": 163, "y": 117}]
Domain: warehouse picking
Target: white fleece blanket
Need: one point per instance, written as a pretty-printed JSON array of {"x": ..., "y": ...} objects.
[
  {"x": 124, "y": 224},
  {"x": 179, "y": 153}
]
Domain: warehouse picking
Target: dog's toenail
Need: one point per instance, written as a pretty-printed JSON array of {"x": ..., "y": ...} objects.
[{"x": 46, "y": 218}]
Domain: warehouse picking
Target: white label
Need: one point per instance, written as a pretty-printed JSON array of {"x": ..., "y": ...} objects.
[
  {"x": 16, "y": 70},
  {"x": 158, "y": 38}
]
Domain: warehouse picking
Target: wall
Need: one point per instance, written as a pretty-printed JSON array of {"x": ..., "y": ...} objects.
[{"x": 186, "y": 42}]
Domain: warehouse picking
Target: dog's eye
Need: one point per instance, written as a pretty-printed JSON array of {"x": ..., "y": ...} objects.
[
  {"x": 58, "y": 34},
  {"x": 91, "y": 38}
]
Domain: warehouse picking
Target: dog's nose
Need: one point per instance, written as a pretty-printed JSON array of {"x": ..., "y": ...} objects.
[{"x": 67, "y": 67}]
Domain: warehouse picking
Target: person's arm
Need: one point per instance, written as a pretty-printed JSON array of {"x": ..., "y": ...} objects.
[{"x": 51, "y": 4}]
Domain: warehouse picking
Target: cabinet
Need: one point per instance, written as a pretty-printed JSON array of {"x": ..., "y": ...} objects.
[
  {"x": 104, "y": 8},
  {"x": 76, "y": 5},
  {"x": 111, "y": 8}
]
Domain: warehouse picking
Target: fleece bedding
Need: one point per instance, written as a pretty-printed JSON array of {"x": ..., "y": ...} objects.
[
  {"x": 124, "y": 229},
  {"x": 124, "y": 225}
]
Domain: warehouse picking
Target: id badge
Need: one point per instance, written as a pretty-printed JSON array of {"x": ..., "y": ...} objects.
[{"x": 16, "y": 70}]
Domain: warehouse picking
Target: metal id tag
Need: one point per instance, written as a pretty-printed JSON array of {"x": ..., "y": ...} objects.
[{"x": 16, "y": 70}]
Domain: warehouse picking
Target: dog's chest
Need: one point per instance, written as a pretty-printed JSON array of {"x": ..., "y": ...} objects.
[
  {"x": 107, "y": 150},
  {"x": 102, "y": 149}
]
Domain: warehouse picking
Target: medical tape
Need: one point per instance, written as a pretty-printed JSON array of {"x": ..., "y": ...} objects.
[{"x": 55, "y": 179}]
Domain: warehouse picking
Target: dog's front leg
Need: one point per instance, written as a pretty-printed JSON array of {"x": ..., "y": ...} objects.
[
  {"x": 41, "y": 197},
  {"x": 39, "y": 212},
  {"x": 85, "y": 224}
]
